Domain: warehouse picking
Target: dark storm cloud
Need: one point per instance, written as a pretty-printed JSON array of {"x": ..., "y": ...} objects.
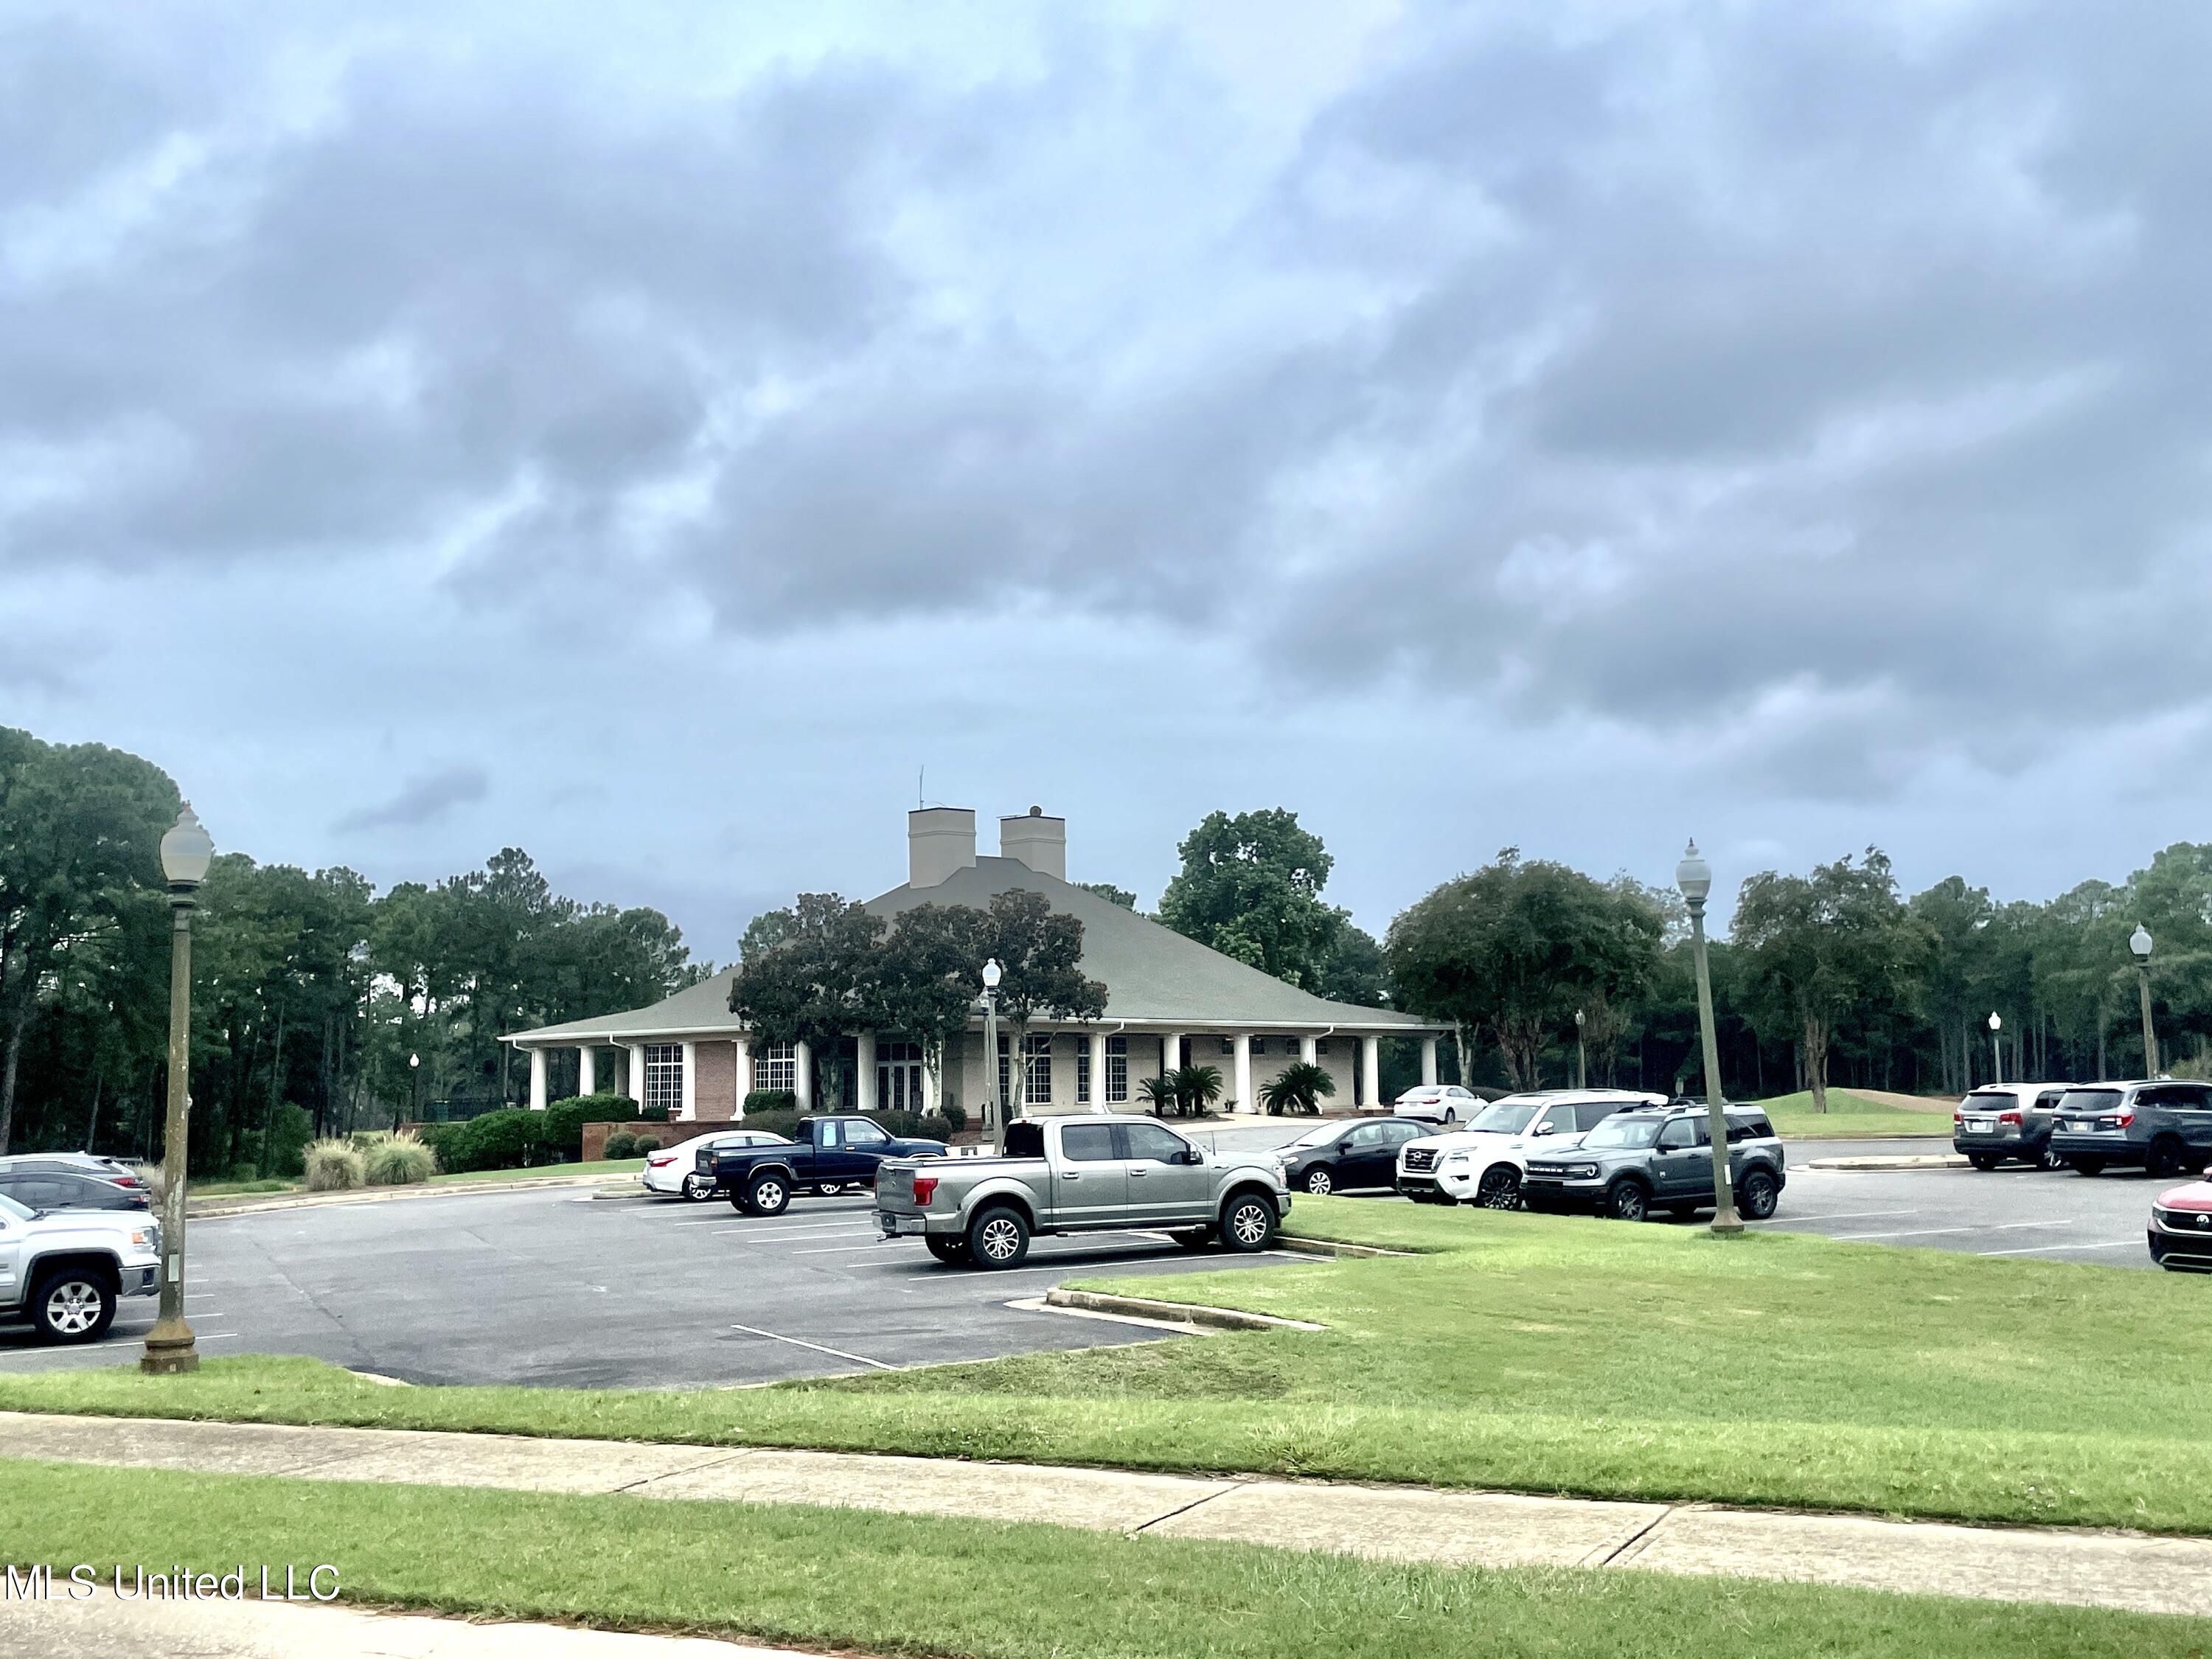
[
  {"x": 422, "y": 800},
  {"x": 1828, "y": 384}
]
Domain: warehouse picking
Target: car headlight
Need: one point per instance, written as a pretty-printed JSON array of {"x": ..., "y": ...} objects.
[
  {"x": 1582, "y": 1171},
  {"x": 1455, "y": 1158}
]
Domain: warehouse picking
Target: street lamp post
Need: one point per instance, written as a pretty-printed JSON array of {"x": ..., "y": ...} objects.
[
  {"x": 2139, "y": 942},
  {"x": 1695, "y": 878},
  {"x": 414, "y": 1082},
  {"x": 1582, "y": 1054},
  {"x": 992, "y": 975},
  {"x": 187, "y": 853},
  {"x": 1996, "y": 1047}
]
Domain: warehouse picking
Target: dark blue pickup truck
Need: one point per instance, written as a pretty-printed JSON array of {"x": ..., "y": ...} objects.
[{"x": 825, "y": 1155}]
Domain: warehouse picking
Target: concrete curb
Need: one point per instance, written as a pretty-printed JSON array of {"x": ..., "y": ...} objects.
[
  {"x": 1944, "y": 1161},
  {"x": 243, "y": 1206},
  {"x": 1174, "y": 1312},
  {"x": 1330, "y": 1247}
]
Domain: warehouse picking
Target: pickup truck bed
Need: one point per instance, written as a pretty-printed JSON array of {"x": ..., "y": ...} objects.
[{"x": 1091, "y": 1173}]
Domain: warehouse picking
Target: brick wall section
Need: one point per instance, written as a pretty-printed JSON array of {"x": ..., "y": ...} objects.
[{"x": 714, "y": 1082}]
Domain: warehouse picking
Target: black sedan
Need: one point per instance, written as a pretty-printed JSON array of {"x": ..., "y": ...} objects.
[{"x": 1357, "y": 1157}]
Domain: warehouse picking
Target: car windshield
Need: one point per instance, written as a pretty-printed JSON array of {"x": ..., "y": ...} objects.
[
  {"x": 1501, "y": 1119},
  {"x": 2089, "y": 1100},
  {"x": 1625, "y": 1129},
  {"x": 1320, "y": 1135},
  {"x": 10, "y": 1207}
]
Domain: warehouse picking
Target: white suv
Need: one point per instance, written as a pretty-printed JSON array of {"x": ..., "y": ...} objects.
[{"x": 1483, "y": 1163}]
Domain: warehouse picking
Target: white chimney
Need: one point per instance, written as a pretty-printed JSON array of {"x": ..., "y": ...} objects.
[
  {"x": 1036, "y": 841},
  {"x": 940, "y": 842}
]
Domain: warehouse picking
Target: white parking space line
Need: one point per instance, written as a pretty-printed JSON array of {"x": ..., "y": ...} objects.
[
  {"x": 2044, "y": 1250},
  {"x": 793, "y": 1238},
  {"x": 860, "y": 1359},
  {"x": 1848, "y": 1215},
  {"x": 1931, "y": 1232},
  {"x": 856, "y": 1249}
]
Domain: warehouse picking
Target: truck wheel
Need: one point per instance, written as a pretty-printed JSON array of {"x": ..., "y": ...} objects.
[
  {"x": 2167, "y": 1156},
  {"x": 1193, "y": 1238},
  {"x": 1757, "y": 1196},
  {"x": 945, "y": 1247},
  {"x": 999, "y": 1237},
  {"x": 1248, "y": 1224},
  {"x": 698, "y": 1189},
  {"x": 767, "y": 1194},
  {"x": 1628, "y": 1201},
  {"x": 1983, "y": 1160},
  {"x": 829, "y": 1188},
  {"x": 1500, "y": 1188},
  {"x": 73, "y": 1304}
]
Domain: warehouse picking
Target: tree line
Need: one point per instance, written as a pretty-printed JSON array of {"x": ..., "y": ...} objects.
[{"x": 314, "y": 994}]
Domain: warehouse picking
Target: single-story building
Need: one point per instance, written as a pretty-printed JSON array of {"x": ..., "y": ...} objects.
[{"x": 1170, "y": 1001}]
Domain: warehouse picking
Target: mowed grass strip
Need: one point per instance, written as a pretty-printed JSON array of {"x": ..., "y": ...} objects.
[
  {"x": 1854, "y": 1117},
  {"x": 1519, "y": 1353},
  {"x": 900, "y": 1584}
]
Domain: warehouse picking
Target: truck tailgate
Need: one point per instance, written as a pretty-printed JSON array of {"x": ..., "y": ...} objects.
[{"x": 895, "y": 1187}]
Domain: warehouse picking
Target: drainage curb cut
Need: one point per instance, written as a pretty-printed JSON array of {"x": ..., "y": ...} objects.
[
  {"x": 1178, "y": 1313},
  {"x": 1945, "y": 1161}
]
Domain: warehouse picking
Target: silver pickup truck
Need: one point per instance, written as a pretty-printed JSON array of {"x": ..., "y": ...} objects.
[
  {"x": 64, "y": 1270},
  {"x": 1087, "y": 1174}
]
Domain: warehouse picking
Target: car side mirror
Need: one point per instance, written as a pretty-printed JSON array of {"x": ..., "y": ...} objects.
[
  {"x": 1192, "y": 1155},
  {"x": 1541, "y": 1129}
]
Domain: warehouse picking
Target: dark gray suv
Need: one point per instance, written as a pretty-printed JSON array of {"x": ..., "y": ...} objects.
[
  {"x": 2159, "y": 1124},
  {"x": 1660, "y": 1158}
]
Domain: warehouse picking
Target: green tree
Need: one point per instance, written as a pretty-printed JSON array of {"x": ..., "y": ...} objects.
[
  {"x": 932, "y": 974},
  {"x": 1039, "y": 951},
  {"x": 1250, "y": 888},
  {"x": 1111, "y": 893},
  {"x": 821, "y": 980},
  {"x": 1299, "y": 1087},
  {"x": 1353, "y": 968}
]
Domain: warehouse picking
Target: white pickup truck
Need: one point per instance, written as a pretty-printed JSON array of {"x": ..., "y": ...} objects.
[
  {"x": 1092, "y": 1173},
  {"x": 65, "y": 1270}
]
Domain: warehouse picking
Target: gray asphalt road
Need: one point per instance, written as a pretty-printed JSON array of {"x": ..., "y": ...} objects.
[{"x": 553, "y": 1287}]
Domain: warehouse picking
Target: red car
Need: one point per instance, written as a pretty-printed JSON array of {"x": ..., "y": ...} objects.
[{"x": 2181, "y": 1227}]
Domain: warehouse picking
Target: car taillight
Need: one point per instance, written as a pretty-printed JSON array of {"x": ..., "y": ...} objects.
[
  {"x": 124, "y": 1180},
  {"x": 925, "y": 1189},
  {"x": 2008, "y": 1117},
  {"x": 1958, "y": 1117},
  {"x": 660, "y": 1160},
  {"x": 2123, "y": 1119}
]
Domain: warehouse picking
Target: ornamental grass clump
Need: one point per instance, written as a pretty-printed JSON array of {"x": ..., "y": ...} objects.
[
  {"x": 334, "y": 1165},
  {"x": 397, "y": 1160}
]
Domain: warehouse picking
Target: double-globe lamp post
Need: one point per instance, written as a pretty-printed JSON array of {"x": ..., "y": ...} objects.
[
  {"x": 1695, "y": 878},
  {"x": 992, "y": 975},
  {"x": 187, "y": 853},
  {"x": 2139, "y": 942}
]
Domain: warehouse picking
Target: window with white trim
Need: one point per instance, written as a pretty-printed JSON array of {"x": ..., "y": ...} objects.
[
  {"x": 775, "y": 1067},
  {"x": 1005, "y": 1068},
  {"x": 1117, "y": 1069},
  {"x": 664, "y": 1077},
  {"x": 1082, "y": 1070},
  {"x": 1036, "y": 1069}
]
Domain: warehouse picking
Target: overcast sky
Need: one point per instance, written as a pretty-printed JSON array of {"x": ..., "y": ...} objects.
[{"x": 651, "y": 435}]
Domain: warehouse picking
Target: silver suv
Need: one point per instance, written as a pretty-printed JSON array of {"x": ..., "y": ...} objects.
[{"x": 2157, "y": 1125}]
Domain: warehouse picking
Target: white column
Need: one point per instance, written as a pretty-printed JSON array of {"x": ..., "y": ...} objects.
[
  {"x": 635, "y": 1081},
  {"x": 1428, "y": 1062},
  {"x": 1371, "y": 1070},
  {"x": 929, "y": 1084},
  {"x": 687, "y": 1102},
  {"x": 1241, "y": 1072},
  {"x": 802, "y": 1079},
  {"x": 744, "y": 1073},
  {"x": 863, "y": 1091},
  {"x": 1170, "y": 1045},
  {"x": 537, "y": 1079},
  {"x": 1098, "y": 1069},
  {"x": 587, "y": 1070},
  {"x": 1310, "y": 1050}
]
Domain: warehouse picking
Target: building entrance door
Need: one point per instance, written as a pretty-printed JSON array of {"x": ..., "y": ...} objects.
[{"x": 898, "y": 1077}]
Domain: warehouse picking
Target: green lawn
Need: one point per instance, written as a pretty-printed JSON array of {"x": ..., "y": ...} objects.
[
  {"x": 853, "y": 1581},
  {"x": 1525, "y": 1352},
  {"x": 1853, "y": 1117}
]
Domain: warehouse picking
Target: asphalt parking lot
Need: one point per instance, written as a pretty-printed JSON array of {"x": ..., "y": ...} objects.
[{"x": 556, "y": 1288}]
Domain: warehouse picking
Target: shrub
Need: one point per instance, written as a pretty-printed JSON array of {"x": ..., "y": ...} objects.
[
  {"x": 1296, "y": 1089},
  {"x": 506, "y": 1139},
  {"x": 621, "y": 1144},
  {"x": 771, "y": 1100},
  {"x": 780, "y": 1122},
  {"x": 444, "y": 1140},
  {"x": 935, "y": 1127},
  {"x": 653, "y": 1115},
  {"x": 398, "y": 1160},
  {"x": 288, "y": 1138},
  {"x": 954, "y": 1113},
  {"x": 333, "y": 1166},
  {"x": 154, "y": 1180},
  {"x": 563, "y": 1122}
]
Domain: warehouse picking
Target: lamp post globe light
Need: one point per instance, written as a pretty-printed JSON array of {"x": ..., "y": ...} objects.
[
  {"x": 1694, "y": 877},
  {"x": 992, "y": 975},
  {"x": 1996, "y": 1048},
  {"x": 187, "y": 853},
  {"x": 2139, "y": 942}
]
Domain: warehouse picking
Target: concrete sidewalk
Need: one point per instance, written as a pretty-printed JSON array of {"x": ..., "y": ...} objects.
[{"x": 2084, "y": 1568}]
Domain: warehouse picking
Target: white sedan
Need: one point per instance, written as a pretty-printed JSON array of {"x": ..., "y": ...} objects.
[
  {"x": 673, "y": 1172},
  {"x": 1443, "y": 1103}
]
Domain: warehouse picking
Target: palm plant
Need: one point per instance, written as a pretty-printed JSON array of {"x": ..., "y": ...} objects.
[
  {"x": 1297, "y": 1088},
  {"x": 1196, "y": 1087},
  {"x": 1158, "y": 1093}
]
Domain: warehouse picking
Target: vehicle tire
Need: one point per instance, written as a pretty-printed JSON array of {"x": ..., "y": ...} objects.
[
  {"x": 1500, "y": 1187},
  {"x": 1626, "y": 1200},
  {"x": 768, "y": 1193},
  {"x": 829, "y": 1188},
  {"x": 1318, "y": 1183},
  {"x": 698, "y": 1189},
  {"x": 2047, "y": 1159},
  {"x": 1248, "y": 1223},
  {"x": 73, "y": 1304},
  {"x": 1983, "y": 1160},
  {"x": 1193, "y": 1238},
  {"x": 946, "y": 1248},
  {"x": 998, "y": 1238},
  {"x": 1451, "y": 1115},
  {"x": 2087, "y": 1166},
  {"x": 2166, "y": 1159},
  {"x": 1756, "y": 1195}
]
